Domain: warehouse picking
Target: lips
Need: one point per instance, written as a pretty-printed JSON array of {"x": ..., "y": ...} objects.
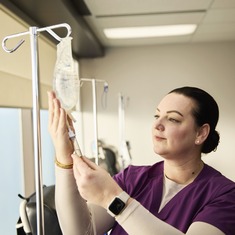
[{"x": 159, "y": 138}]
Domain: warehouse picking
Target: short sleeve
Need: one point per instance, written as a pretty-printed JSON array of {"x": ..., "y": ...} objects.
[{"x": 220, "y": 212}]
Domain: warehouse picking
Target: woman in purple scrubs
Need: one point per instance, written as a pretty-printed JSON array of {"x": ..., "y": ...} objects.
[{"x": 179, "y": 195}]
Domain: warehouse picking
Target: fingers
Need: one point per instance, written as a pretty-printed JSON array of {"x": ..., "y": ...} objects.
[
  {"x": 81, "y": 165},
  {"x": 91, "y": 164},
  {"x": 62, "y": 119},
  {"x": 54, "y": 107},
  {"x": 51, "y": 96},
  {"x": 94, "y": 183},
  {"x": 57, "y": 115}
]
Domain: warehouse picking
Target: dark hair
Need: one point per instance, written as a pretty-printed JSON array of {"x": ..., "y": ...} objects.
[{"x": 206, "y": 111}]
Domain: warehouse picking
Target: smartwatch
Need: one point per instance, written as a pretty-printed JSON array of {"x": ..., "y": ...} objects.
[{"x": 118, "y": 204}]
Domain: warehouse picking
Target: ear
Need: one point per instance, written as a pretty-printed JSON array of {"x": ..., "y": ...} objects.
[{"x": 202, "y": 134}]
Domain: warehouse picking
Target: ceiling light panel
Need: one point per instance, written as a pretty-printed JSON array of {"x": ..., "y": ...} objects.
[{"x": 150, "y": 31}]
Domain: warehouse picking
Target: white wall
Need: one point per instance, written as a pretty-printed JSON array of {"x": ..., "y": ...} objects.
[{"x": 145, "y": 75}]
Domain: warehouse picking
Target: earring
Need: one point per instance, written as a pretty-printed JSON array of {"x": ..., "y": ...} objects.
[{"x": 197, "y": 141}]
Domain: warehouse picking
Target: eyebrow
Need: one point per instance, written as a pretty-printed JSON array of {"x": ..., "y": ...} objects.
[{"x": 173, "y": 111}]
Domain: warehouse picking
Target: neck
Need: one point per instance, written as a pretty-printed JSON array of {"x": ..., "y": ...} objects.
[{"x": 183, "y": 173}]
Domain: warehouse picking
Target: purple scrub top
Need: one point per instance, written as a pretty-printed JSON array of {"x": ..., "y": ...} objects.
[{"x": 209, "y": 198}]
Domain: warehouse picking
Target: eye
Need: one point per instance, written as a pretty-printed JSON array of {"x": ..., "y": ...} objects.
[
  {"x": 173, "y": 120},
  {"x": 156, "y": 116}
]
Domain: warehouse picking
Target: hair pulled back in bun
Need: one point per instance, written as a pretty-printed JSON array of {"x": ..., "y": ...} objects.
[{"x": 206, "y": 111}]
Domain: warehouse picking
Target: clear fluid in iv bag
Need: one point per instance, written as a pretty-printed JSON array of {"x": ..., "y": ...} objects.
[{"x": 66, "y": 85}]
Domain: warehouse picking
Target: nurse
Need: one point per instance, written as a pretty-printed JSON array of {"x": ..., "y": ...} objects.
[{"x": 179, "y": 195}]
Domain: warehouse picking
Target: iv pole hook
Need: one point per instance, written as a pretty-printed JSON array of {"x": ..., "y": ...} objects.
[
  {"x": 13, "y": 49},
  {"x": 53, "y": 34},
  {"x": 48, "y": 29}
]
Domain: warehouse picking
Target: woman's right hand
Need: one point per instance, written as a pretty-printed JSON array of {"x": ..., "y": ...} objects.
[{"x": 58, "y": 130}]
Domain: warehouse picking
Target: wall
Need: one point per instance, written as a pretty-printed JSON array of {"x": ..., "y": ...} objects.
[
  {"x": 144, "y": 75},
  {"x": 15, "y": 68}
]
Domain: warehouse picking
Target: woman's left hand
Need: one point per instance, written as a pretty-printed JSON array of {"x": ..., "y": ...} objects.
[{"x": 94, "y": 183}]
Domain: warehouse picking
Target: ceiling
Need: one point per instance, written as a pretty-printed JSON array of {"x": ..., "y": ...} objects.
[{"x": 88, "y": 18}]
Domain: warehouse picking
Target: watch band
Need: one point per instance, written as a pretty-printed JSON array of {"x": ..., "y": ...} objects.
[
  {"x": 118, "y": 204},
  {"x": 123, "y": 196}
]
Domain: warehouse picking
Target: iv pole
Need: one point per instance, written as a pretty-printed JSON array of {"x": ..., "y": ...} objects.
[
  {"x": 33, "y": 32},
  {"x": 121, "y": 126},
  {"x": 93, "y": 82},
  {"x": 123, "y": 144}
]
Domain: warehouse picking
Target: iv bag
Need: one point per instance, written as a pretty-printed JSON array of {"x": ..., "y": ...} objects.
[{"x": 66, "y": 81}]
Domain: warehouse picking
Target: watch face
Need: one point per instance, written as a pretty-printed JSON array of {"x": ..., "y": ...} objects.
[{"x": 117, "y": 206}]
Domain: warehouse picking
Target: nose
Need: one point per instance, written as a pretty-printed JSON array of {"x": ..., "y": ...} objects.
[{"x": 159, "y": 125}]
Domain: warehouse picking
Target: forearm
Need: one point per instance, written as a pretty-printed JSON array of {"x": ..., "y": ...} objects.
[
  {"x": 137, "y": 220},
  {"x": 73, "y": 213}
]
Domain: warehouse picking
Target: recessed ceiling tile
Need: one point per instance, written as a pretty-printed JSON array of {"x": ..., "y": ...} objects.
[
  {"x": 215, "y": 32},
  {"x": 223, "y": 4},
  {"x": 123, "y": 7},
  {"x": 220, "y": 15}
]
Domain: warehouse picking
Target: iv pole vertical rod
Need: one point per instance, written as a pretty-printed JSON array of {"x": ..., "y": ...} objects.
[
  {"x": 36, "y": 131},
  {"x": 121, "y": 127},
  {"x": 95, "y": 121},
  {"x": 36, "y": 112}
]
